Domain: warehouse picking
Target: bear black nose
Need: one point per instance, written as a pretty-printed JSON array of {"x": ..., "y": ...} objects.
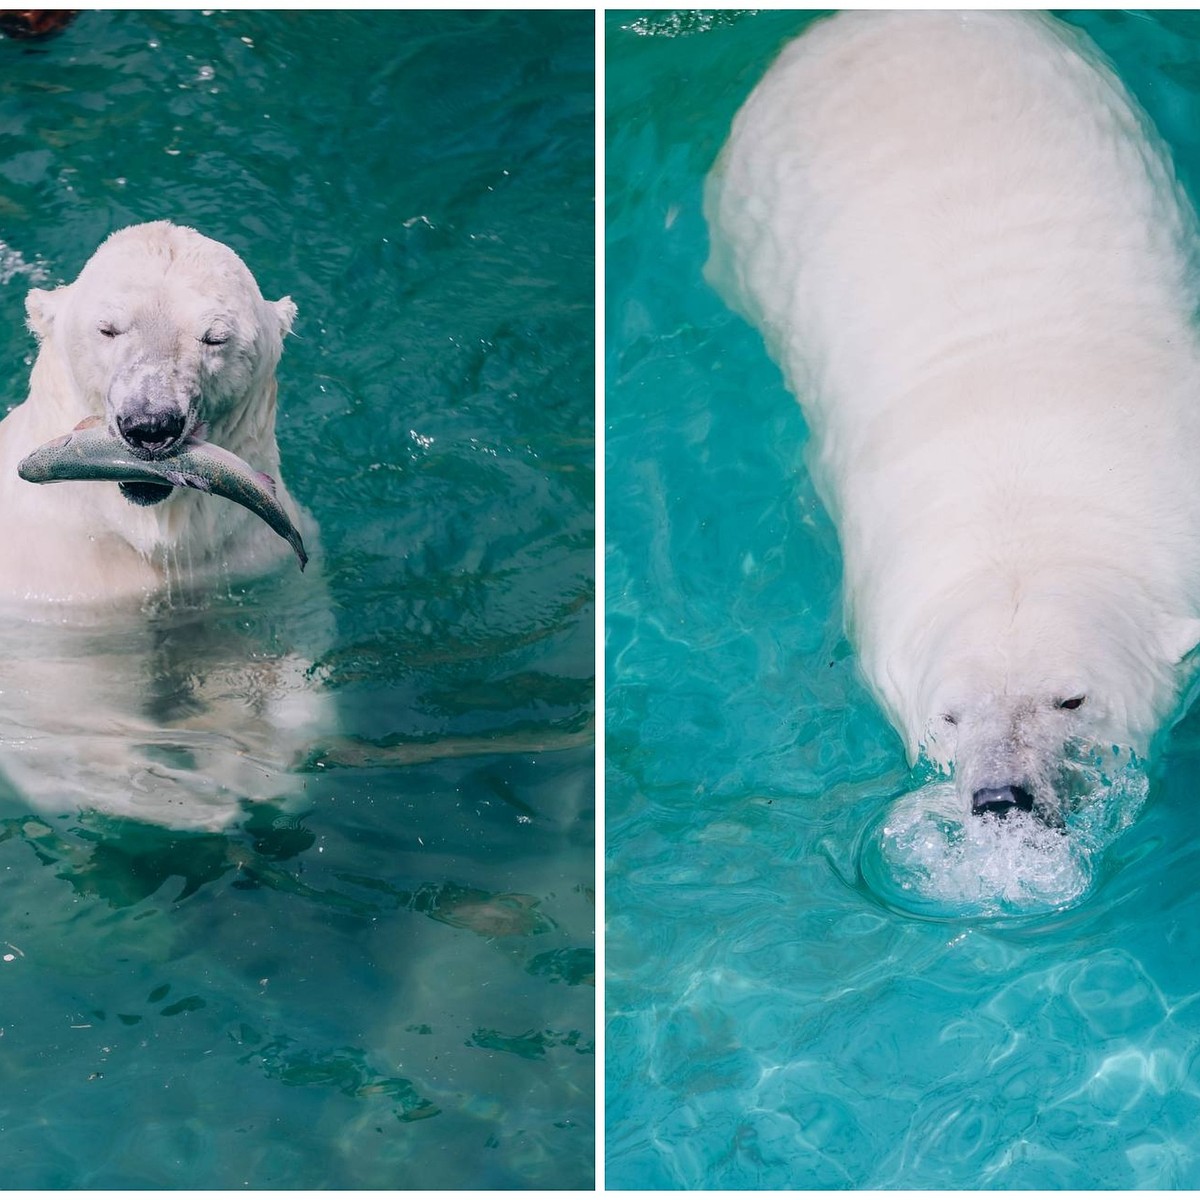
[
  {"x": 151, "y": 433},
  {"x": 1001, "y": 800}
]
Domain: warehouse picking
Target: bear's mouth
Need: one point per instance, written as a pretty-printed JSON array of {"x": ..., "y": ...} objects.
[{"x": 145, "y": 494}]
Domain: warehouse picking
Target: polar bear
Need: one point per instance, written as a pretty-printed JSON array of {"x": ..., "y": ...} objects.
[
  {"x": 163, "y": 330},
  {"x": 967, "y": 249},
  {"x": 133, "y": 680}
]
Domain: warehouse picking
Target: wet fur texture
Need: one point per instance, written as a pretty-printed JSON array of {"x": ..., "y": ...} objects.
[
  {"x": 967, "y": 249},
  {"x": 138, "y": 330},
  {"x": 135, "y": 680}
]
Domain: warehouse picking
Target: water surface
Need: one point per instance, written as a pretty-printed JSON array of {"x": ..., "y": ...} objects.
[
  {"x": 779, "y": 1012},
  {"x": 385, "y": 978}
]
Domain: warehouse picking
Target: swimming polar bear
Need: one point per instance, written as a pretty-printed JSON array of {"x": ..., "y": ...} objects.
[
  {"x": 135, "y": 680},
  {"x": 967, "y": 248}
]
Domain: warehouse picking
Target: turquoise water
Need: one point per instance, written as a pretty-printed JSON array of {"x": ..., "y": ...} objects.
[
  {"x": 785, "y": 1007},
  {"x": 384, "y": 979}
]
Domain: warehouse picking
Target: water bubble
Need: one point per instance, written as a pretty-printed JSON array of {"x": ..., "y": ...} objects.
[{"x": 928, "y": 856}]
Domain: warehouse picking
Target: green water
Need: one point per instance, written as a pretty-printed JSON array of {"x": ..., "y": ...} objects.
[{"x": 385, "y": 981}]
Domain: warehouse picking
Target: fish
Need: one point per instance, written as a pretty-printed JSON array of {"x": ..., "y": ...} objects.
[{"x": 91, "y": 452}]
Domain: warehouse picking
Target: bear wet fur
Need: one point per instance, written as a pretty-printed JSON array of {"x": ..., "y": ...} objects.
[
  {"x": 967, "y": 249},
  {"x": 140, "y": 675},
  {"x": 164, "y": 329}
]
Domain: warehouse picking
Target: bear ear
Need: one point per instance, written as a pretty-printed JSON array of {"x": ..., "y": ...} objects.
[
  {"x": 40, "y": 306},
  {"x": 285, "y": 310},
  {"x": 1180, "y": 637}
]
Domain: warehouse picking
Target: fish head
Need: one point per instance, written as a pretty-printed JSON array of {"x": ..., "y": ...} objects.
[{"x": 162, "y": 330}]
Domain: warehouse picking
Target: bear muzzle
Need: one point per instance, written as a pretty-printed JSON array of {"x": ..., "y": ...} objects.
[
  {"x": 1002, "y": 800},
  {"x": 151, "y": 433}
]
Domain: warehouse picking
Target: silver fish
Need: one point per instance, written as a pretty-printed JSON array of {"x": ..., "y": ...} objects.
[{"x": 90, "y": 452}]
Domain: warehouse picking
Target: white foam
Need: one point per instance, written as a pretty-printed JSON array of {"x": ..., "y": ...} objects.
[
  {"x": 12, "y": 264},
  {"x": 931, "y": 857}
]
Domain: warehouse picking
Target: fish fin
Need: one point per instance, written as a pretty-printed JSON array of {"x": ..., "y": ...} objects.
[
  {"x": 180, "y": 479},
  {"x": 88, "y": 423},
  {"x": 266, "y": 481}
]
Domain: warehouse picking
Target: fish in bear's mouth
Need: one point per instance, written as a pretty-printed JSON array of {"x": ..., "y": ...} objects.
[
  {"x": 153, "y": 438},
  {"x": 91, "y": 452}
]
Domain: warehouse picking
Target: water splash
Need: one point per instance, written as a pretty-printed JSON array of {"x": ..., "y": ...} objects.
[
  {"x": 13, "y": 263},
  {"x": 928, "y": 857}
]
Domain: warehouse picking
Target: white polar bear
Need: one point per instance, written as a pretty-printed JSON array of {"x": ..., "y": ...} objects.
[
  {"x": 132, "y": 680},
  {"x": 967, "y": 249},
  {"x": 163, "y": 330}
]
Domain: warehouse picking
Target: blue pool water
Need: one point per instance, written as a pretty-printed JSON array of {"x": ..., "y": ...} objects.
[
  {"x": 791, "y": 999},
  {"x": 385, "y": 979}
]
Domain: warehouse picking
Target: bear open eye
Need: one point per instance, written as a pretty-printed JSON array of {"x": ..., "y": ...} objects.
[
  {"x": 109, "y": 330},
  {"x": 950, "y": 718},
  {"x": 215, "y": 337},
  {"x": 1073, "y": 703}
]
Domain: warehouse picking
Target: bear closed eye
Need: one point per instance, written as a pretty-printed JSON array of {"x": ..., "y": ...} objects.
[{"x": 142, "y": 339}]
